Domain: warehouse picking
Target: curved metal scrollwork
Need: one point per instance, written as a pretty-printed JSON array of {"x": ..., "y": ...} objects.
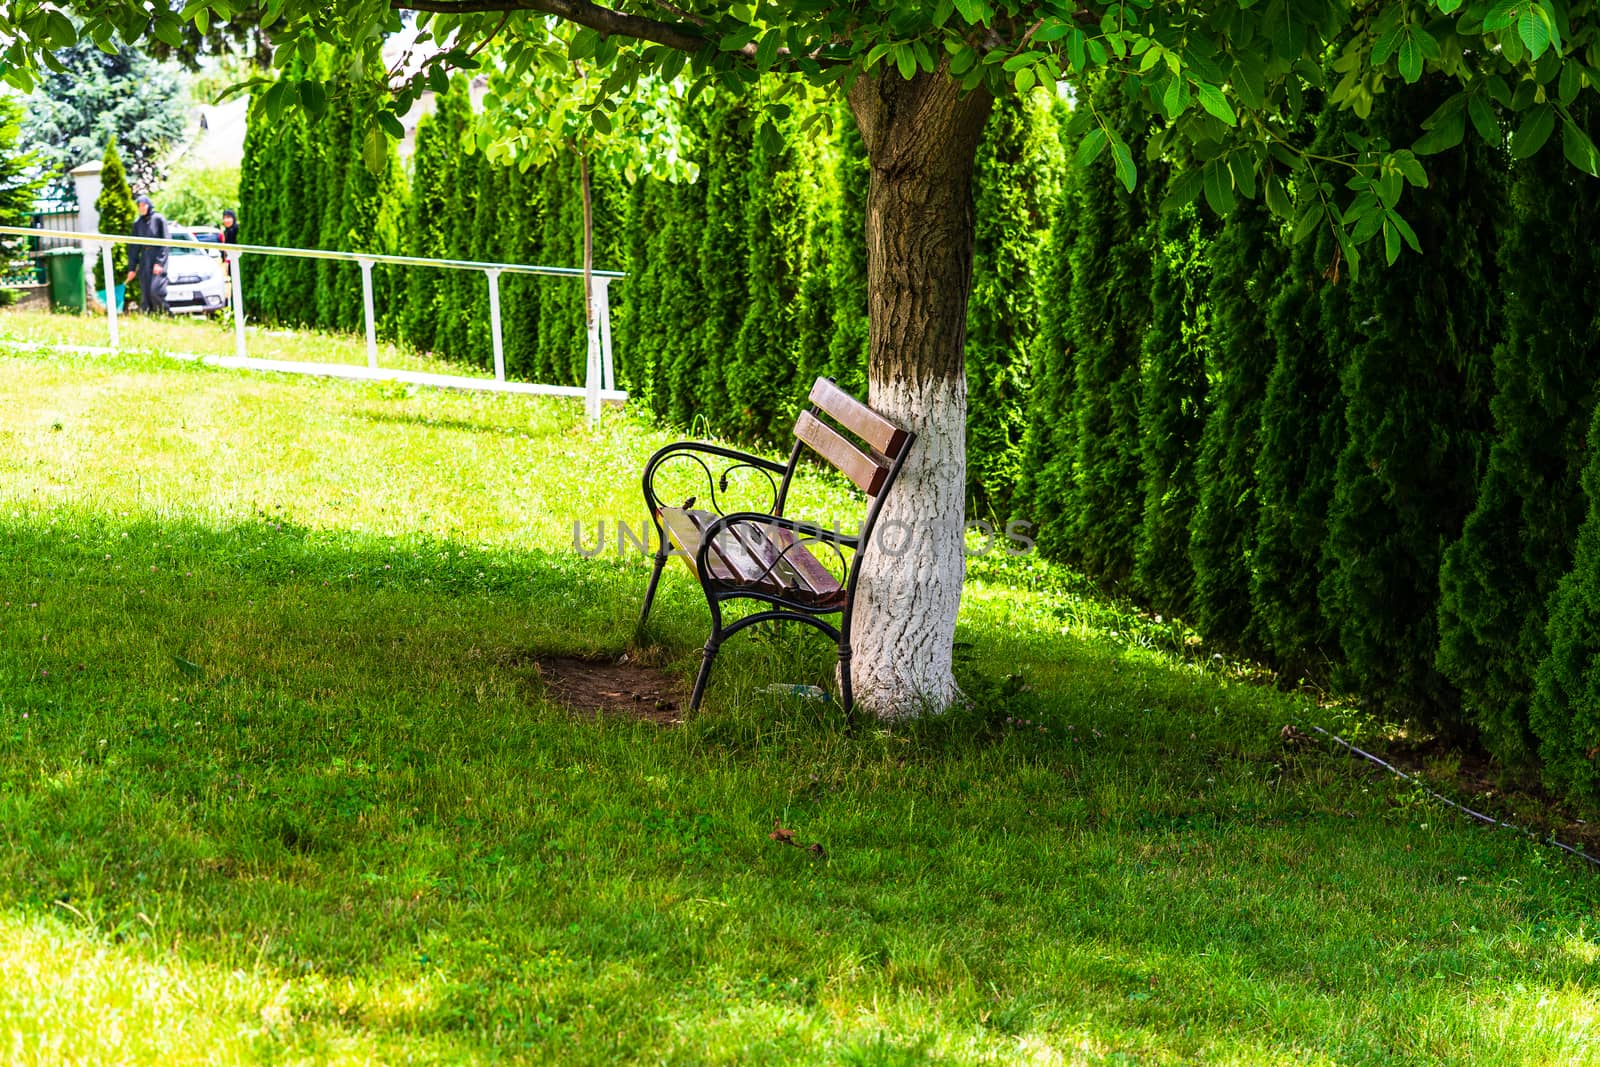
[{"x": 716, "y": 483}]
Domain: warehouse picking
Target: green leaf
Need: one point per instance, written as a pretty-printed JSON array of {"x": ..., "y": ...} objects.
[
  {"x": 1172, "y": 101},
  {"x": 1089, "y": 149},
  {"x": 391, "y": 125},
  {"x": 1386, "y": 46},
  {"x": 313, "y": 97},
  {"x": 1410, "y": 60},
  {"x": 1277, "y": 196},
  {"x": 1250, "y": 84},
  {"x": 1484, "y": 122},
  {"x": 971, "y": 10},
  {"x": 169, "y": 30},
  {"x": 1578, "y": 148},
  {"x": 906, "y": 60},
  {"x": 1242, "y": 168},
  {"x": 1446, "y": 135},
  {"x": 1122, "y": 161},
  {"x": 1219, "y": 188},
  {"x": 375, "y": 150},
  {"x": 1406, "y": 231},
  {"x": 1571, "y": 83},
  {"x": 1534, "y": 132},
  {"x": 1182, "y": 190},
  {"x": 1533, "y": 26},
  {"x": 1213, "y": 101},
  {"x": 1391, "y": 243},
  {"x": 1307, "y": 225},
  {"x": 1448, "y": 7},
  {"x": 1408, "y": 166},
  {"x": 767, "y": 50},
  {"x": 1501, "y": 15},
  {"x": 1025, "y": 79}
]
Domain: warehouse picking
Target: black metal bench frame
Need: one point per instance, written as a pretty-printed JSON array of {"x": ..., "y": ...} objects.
[{"x": 763, "y": 556}]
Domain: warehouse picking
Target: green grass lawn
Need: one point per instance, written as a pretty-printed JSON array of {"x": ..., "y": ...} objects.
[{"x": 279, "y": 784}]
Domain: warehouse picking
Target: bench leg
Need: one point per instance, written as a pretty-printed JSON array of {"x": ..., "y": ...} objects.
[
  {"x": 846, "y": 695},
  {"x": 705, "y": 674},
  {"x": 650, "y": 591}
]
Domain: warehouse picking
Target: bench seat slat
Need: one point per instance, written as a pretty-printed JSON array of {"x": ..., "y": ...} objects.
[{"x": 765, "y": 559}]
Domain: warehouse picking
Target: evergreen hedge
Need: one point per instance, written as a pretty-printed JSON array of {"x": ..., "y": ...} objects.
[{"x": 1497, "y": 579}]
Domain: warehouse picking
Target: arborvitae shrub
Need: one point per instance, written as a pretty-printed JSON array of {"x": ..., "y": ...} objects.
[
  {"x": 727, "y": 136},
  {"x": 117, "y": 212},
  {"x": 1497, "y": 579},
  {"x": 1015, "y": 183},
  {"x": 1302, "y": 436},
  {"x": 1565, "y": 713},
  {"x": 1416, "y": 407},
  {"x": 563, "y": 337},
  {"x": 847, "y": 261},
  {"x": 1172, "y": 408},
  {"x": 760, "y": 372},
  {"x": 1246, "y": 265},
  {"x": 1049, "y": 444},
  {"x": 1109, "y": 317}
]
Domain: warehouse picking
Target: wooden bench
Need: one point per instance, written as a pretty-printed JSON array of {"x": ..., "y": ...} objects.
[{"x": 767, "y": 555}]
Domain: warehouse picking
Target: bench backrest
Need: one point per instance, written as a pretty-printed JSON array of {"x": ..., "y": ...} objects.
[
  {"x": 871, "y": 468},
  {"x": 872, "y": 461}
]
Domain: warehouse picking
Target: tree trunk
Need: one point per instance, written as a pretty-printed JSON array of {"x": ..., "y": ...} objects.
[{"x": 921, "y": 138}]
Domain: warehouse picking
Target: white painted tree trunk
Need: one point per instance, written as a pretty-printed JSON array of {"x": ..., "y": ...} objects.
[
  {"x": 910, "y": 589},
  {"x": 921, "y": 136}
]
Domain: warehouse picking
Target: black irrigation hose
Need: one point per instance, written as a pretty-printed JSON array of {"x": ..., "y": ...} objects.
[{"x": 1480, "y": 816}]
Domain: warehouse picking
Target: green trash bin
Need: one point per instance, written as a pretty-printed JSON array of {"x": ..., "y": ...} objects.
[{"x": 65, "y": 267}]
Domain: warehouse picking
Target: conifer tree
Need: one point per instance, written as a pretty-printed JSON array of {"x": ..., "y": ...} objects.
[
  {"x": 722, "y": 254},
  {"x": 115, "y": 208},
  {"x": 1497, "y": 578},
  {"x": 1014, "y": 186},
  {"x": 1303, "y": 433},
  {"x": 1416, "y": 408},
  {"x": 1172, "y": 409},
  {"x": 338, "y": 156},
  {"x": 1109, "y": 316},
  {"x": 761, "y": 372},
  {"x": 847, "y": 262},
  {"x": 1565, "y": 712},
  {"x": 563, "y": 338},
  {"x": 1246, "y": 263},
  {"x": 1048, "y": 447},
  {"x": 436, "y": 143}
]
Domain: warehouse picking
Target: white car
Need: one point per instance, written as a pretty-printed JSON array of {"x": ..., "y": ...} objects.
[{"x": 195, "y": 282}]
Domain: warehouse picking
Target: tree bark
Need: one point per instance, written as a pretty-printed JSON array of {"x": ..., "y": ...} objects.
[{"x": 921, "y": 138}]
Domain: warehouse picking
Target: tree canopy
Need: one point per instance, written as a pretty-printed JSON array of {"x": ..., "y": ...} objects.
[
  {"x": 1225, "y": 78},
  {"x": 89, "y": 96}
]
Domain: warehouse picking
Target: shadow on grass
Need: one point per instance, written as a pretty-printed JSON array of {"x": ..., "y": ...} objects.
[{"x": 316, "y": 760}]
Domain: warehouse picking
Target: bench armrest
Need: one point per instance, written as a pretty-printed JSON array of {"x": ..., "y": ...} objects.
[{"x": 694, "y": 451}]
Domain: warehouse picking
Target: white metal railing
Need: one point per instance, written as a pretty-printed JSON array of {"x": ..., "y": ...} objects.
[{"x": 599, "y": 375}]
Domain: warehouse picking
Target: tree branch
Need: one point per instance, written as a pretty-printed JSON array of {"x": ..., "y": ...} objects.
[{"x": 683, "y": 37}]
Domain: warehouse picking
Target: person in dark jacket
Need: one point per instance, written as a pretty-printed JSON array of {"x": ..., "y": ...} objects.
[
  {"x": 150, "y": 261},
  {"x": 230, "y": 236}
]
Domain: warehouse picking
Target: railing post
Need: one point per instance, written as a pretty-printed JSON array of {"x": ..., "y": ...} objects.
[
  {"x": 366, "y": 307},
  {"x": 602, "y": 296},
  {"x": 111, "y": 292},
  {"x": 494, "y": 324},
  {"x": 592, "y": 374},
  {"x": 238, "y": 302}
]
